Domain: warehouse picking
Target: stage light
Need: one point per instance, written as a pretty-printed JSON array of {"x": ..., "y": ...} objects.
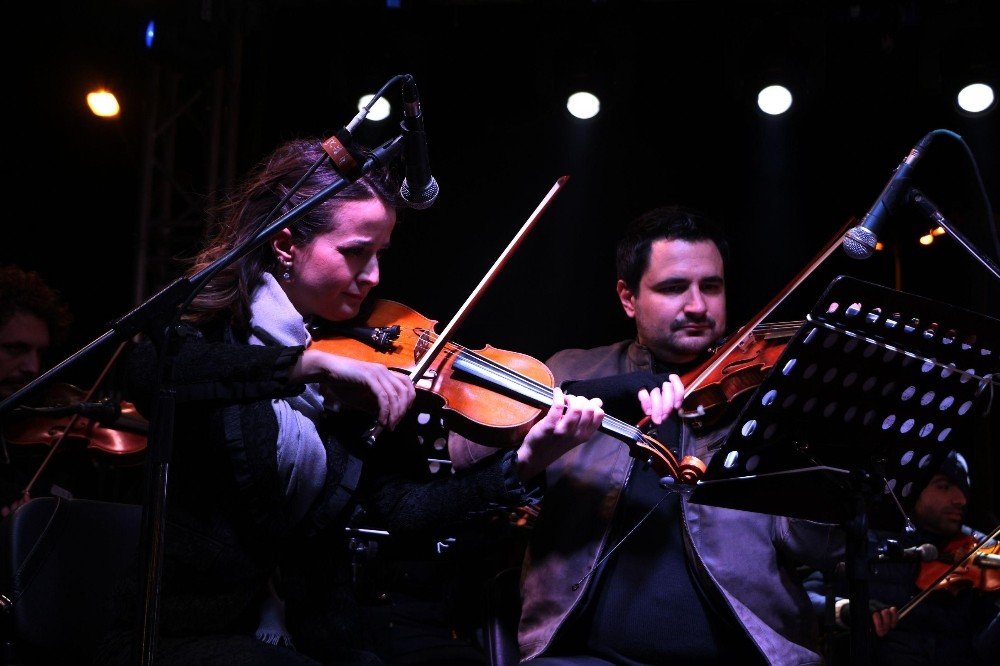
[
  {"x": 103, "y": 104},
  {"x": 150, "y": 34},
  {"x": 975, "y": 98},
  {"x": 583, "y": 105},
  {"x": 380, "y": 110},
  {"x": 926, "y": 239},
  {"x": 774, "y": 100}
]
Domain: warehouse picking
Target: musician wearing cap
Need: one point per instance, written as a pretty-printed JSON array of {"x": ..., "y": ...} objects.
[{"x": 958, "y": 622}]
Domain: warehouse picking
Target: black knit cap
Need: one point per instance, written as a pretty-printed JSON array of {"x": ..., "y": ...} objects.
[{"x": 956, "y": 468}]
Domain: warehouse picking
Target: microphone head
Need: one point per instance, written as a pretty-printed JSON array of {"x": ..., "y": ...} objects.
[
  {"x": 859, "y": 242},
  {"x": 422, "y": 198},
  {"x": 928, "y": 552}
]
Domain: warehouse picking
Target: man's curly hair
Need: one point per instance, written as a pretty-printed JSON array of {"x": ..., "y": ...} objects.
[{"x": 25, "y": 291}]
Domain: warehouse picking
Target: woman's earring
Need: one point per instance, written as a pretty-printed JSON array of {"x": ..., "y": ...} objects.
[{"x": 286, "y": 275}]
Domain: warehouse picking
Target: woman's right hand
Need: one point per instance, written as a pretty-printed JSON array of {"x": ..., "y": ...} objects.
[
  {"x": 361, "y": 384},
  {"x": 570, "y": 421}
]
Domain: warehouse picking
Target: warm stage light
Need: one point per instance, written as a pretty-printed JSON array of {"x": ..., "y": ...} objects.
[
  {"x": 583, "y": 105},
  {"x": 939, "y": 231},
  {"x": 926, "y": 239},
  {"x": 103, "y": 104}
]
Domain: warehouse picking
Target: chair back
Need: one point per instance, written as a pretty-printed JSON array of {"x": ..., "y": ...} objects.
[{"x": 59, "y": 560}]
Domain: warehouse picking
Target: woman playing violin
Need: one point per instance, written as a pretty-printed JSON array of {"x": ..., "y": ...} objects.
[
  {"x": 959, "y": 622},
  {"x": 270, "y": 460}
]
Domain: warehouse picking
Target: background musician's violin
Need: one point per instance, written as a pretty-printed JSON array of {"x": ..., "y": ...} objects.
[
  {"x": 491, "y": 395},
  {"x": 124, "y": 438},
  {"x": 959, "y": 567}
]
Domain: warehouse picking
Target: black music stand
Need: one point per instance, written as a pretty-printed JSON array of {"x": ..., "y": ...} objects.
[{"x": 866, "y": 400}]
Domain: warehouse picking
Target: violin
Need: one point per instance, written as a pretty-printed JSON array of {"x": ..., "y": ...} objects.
[
  {"x": 490, "y": 395},
  {"x": 733, "y": 371},
  {"x": 958, "y": 567},
  {"x": 963, "y": 566},
  {"x": 743, "y": 361},
  {"x": 57, "y": 419}
]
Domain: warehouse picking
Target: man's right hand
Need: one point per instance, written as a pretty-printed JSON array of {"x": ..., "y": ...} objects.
[{"x": 884, "y": 618}]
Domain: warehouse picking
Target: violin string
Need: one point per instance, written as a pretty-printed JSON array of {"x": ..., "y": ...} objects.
[
  {"x": 548, "y": 393},
  {"x": 541, "y": 393}
]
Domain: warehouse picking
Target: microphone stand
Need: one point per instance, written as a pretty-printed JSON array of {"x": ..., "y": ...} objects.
[
  {"x": 159, "y": 317},
  {"x": 927, "y": 207}
]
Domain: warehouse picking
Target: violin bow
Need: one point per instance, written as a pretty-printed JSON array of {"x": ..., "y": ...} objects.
[
  {"x": 911, "y": 604},
  {"x": 722, "y": 354},
  {"x": 418, "y": 370},
  {"x": 442, "y": 339}
]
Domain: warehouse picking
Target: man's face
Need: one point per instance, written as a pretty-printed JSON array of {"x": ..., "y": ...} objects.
[
  {"x": 679, "y": 306},
  {"x": 23, "y": 339},
  {"x": 939, "y": 507}
]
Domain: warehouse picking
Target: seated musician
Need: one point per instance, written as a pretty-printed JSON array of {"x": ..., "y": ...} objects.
[
  {"x": 621, "y": 568},
  {"x": 956, "y": 625}
]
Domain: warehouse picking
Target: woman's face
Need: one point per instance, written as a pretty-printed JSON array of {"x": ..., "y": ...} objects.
[{"x": 333, "y": 273}]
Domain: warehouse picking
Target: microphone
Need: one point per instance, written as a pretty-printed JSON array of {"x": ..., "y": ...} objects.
[
  {"x": 859, "y": 242},
  {"x": 103, "y": 411},
  {"x": 891, "y": 551},
  {"x": 419, "y": 189}
]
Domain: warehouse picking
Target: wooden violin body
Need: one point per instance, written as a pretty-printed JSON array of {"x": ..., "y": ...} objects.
[
  {"x": 957, "y": 568},
  {"x": 734, "y": 370},
  {"x": 397, "y": 337},
  {"x": 124, "y": 439}
]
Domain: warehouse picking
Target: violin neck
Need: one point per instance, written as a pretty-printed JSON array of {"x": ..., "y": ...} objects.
[{"x": 495, "y": 377}]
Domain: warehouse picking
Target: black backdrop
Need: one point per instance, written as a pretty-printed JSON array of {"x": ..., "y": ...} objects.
[{"x": 678, "y": 124}]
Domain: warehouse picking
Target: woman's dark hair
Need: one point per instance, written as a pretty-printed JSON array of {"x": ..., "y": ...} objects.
[
  {"x": 666, "y": 223},
  {"x": 26, "y": 291},
  {"x": 242, "y": 214}
]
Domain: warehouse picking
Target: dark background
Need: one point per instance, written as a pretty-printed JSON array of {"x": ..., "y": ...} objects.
[{"x": 679, "y": 124}]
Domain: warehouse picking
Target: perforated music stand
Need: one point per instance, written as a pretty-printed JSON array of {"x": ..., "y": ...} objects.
[{"x": 869, "y": 396}]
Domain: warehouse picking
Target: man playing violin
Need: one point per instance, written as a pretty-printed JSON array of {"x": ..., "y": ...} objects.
[
  {"x": 957, "y": 625},
  {"x": 33, "y": 317},
  {"x": 621, "y": 568}
]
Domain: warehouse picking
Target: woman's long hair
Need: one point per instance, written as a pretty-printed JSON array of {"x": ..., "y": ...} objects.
[{"x": 228, "y": 293}]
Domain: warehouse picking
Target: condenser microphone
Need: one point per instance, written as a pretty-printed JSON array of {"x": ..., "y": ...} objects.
[
  {"x": 859, "y": 242},
  {"x": 419, "y": 189},
  {"x": 891, "y": 551}
]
